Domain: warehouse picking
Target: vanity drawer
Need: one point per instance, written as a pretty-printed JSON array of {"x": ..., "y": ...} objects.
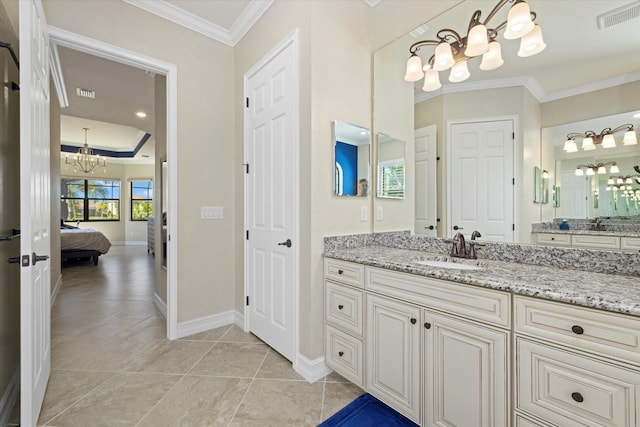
[
  {"x": 568, "y": 389},
  {"x": 554, "y": 239},
  {"x": 343, "y": 307},
  {"x": 630, "y": 244},
  {"x": 344, "y": 354},
  {"x": 609, "y": 334},
  {"x": 526, "y": 422},
  {"x": 464, "y": 300},
  {"x": 344, "y": 272},
  {"x": 600, "y": 242}
]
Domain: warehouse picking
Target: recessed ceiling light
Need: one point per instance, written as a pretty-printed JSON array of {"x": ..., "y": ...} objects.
[{"x": 141, "y": 114}]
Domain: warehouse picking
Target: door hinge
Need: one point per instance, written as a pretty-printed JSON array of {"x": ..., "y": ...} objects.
[
  {"x": 247, "y": 235},
  {"x": 513, "y": 227},
  {"x": 513, "y": 136},
  {"x": 247, "y": 299},
  {"x": 246, "y": 167},
  {"x": 247, "y": 102},
  {"x": 513, "y": 181}
]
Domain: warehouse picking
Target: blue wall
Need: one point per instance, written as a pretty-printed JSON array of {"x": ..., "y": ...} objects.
[{"x": 347, "y": 158}]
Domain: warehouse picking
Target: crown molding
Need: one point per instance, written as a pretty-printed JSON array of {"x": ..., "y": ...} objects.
[
  {"x": 57, "y": 76},
  {"x": 373, "y": 3},
  {"x": 248, "y": 18},
  {"x": 531, "y": 84},
  {"x": 231, "y": 37}
]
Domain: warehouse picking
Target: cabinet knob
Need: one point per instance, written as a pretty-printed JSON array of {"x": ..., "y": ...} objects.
[
  {"x": 340, "y": 271},
  {"x": 340, "y": 307},
  {"x": 427, "y": 325},
  {"x": 577, "y": 397},
  {"x": 340, "y": 353},
  {"x": 553, "y": 238},
  {"x": 577, "y": 330},
  {"x": 413, "y": 320}
]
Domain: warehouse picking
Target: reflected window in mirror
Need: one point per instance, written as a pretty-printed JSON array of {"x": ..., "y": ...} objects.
[
  {"x": 351, "y": 153},
  {"x": 391, "y": 167}
]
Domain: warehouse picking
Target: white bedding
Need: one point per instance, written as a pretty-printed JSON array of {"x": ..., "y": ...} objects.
[{"x": 83, "y": 238}]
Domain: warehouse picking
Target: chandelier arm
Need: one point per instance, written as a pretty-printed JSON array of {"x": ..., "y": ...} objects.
[
  {"x": 503, "y": 25},
  {"x": 572, "y": 135},
  {"x": 622, "y": 127},
  {"x": 447, "y": 33},
  {"x": 417, "y": 45},
  {"x": 474, "y": 20},
  {"x": 495, "y": 10}
]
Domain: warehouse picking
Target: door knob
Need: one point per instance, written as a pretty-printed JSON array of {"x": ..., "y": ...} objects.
[
  {"x": 431, "y": 227},
  {"x": 35, "y": 258},
  {"x": 14, "y": 260},
  {"x": 286, "y": 243},
  {"x": 455, "y": 227}
]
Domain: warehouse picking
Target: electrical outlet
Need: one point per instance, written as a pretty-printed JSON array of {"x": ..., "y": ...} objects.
[
  {"x": 379, "y": 213},
  {"x": 211, "y": 212},
  {"x": 363, "y": 213}
]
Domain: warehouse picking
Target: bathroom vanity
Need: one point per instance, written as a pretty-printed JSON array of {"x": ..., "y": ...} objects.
[{"x": 447, "y": 341}]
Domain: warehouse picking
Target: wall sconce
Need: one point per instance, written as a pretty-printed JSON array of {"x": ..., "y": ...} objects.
[
  {"x": 600, "y": 168},
  {"x": 453, "y": 50},
  {"x": 590, "y": 139}
]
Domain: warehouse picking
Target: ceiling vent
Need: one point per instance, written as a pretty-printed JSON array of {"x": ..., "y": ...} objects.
[
  {"x": 86, "y": 93},
  {"x": 619, "y": 15}
]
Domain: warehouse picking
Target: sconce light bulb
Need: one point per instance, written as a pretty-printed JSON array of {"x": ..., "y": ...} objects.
[
  {"x": 519, "y": 21},
  {"x": 630, "y": 138},
  {"x": 614, "y": 168}
]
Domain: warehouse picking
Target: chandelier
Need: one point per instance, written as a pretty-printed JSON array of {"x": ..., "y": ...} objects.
[
  {"x": 600, "y": 168},
  {"x": 622, "y": 181},
  {"x": 453, "y": 50},
  {"x": 85, "y": 160},
  {"x": 605, "y": 137}
]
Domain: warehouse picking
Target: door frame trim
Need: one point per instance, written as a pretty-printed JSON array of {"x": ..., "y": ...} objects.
[
  {"x": 517, "y": 154},
  {"x": 61, "y": 37},
  {"x": 293, "y": 40}
]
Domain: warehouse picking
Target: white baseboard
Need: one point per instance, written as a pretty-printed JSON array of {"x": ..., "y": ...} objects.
[
  {"x": 9, "y": 397},
  {"x": 160, "y": 305},
  {"x": 54, "y": 293},
  {"x": 239, "y": 319},
  {"x": 129, "y": 243},
  {"x": 206, "y": 323},
  {"x": 311, "y": 370}
]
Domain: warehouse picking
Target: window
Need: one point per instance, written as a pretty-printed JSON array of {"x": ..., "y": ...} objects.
[
  {"x": 391, "y": 179},
  {"x": 90, "y": 199},
  {"x": 141, "y": 199}
]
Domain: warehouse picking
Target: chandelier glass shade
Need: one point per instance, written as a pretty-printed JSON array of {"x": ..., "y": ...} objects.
[
  {"x": 453, "y": 50},
  {"x": 84, "y": 160},
  {"x": 605, "y": 138},
  {"x": 599, "y": 168}
]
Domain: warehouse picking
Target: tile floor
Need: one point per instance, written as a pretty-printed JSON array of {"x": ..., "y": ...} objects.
[{"x": 112, "y": 366}]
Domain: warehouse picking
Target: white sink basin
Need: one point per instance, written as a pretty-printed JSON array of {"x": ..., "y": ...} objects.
[{"x": 448, "y": 264}]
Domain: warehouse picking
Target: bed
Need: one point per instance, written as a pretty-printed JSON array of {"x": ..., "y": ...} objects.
[{"x": 82, "y": 243}]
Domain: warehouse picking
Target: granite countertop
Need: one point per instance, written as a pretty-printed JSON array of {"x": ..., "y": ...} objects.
[
  {"x": 589, "y": 232},
  {"x": 616, "y": 293}
]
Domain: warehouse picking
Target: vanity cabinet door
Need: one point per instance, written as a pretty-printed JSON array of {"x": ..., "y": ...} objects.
[
  {"x": 393, "y": 354},
  {"x": 466, "y": 373}
]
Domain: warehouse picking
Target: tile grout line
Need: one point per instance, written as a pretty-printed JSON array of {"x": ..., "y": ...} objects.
[
  {"x": 324, "y": 391},
  {"x": 176, "y": 383},
  {"x": 250, "y": 384}
]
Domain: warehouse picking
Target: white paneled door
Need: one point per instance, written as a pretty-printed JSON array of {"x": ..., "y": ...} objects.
[
  {"x": 481, "y": 175},
  {"x": 35, "y": 184},
  {"x": 425, "y": 161},
  {"x": 271, "y": 135}
]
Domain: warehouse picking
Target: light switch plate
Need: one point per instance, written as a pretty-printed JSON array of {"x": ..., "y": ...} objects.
[
  {"x": 363, "y": 213},
  {"x": 379, "y": 213},
  {"x": 211, "y": 212}
]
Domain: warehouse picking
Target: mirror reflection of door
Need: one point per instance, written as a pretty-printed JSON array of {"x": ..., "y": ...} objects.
[
  {"x": 351, "y": 159},
  {"x": 425, "y": 185},
  {"x": 164, "y": 203}
]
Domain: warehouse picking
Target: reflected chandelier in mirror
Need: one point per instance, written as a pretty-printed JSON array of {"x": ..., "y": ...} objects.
[
  {"x": 590, "y": 139},
  {"x": 453, "y": 50}
]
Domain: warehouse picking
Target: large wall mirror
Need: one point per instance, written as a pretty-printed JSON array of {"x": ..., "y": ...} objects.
[
  {"x": 536, "y": 92},
  {"x": 597, "y": 182},
  {"x": 351, "y": 149}
]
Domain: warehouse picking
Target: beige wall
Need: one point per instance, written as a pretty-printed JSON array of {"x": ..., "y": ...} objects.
[
  {"x": 9, "y": 209},
  {"x": 335, "y": 71},
  {"x": 205, "y": 127},
  {"x": 54, "y": 164}
]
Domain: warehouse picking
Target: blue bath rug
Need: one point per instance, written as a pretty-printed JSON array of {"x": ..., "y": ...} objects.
[{"x": 367, "y": 411}]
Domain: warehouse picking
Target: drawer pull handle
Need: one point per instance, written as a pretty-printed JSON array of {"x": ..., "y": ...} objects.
[
  {"x": 577, "y": 330},
  {"x": 340, "y": 307},
  {"x": 340, "y": 271},
  {"x": 427, "y": 325},
  {"x": 577, "y": 397},
  {"x": 413, "y": 320},
  {"x": 341, "y": 353}
]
